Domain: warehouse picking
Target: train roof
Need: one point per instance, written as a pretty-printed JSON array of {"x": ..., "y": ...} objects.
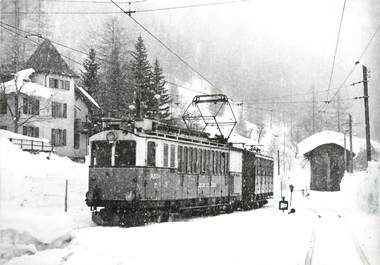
[{"x": 151, "y": 128}]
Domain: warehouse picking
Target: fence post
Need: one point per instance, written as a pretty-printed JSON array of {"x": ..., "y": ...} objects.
[{"x": 66, "y": 185}]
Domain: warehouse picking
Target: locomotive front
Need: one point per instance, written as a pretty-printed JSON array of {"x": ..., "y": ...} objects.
[{"x": 112, "y": 173}]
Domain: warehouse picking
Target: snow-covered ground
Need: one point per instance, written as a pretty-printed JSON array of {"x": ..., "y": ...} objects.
[
  {"x": 32, "y": 189},
  {"x": 327, "y": 227}
]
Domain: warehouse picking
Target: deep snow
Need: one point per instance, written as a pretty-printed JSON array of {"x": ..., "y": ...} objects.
[{"x": 34, "y": 229}]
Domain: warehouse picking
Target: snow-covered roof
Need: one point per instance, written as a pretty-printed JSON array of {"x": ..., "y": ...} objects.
[
  {"x": 9, "y": 134},
  {"x": 22, "y": 83},
  {"x": 326, "y": 137},
  {"x": 87, "y": 96}
]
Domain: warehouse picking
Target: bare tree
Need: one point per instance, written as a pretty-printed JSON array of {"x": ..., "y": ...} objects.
[
  {"x": 16, "y": 108},
  {"x": 260, "y": 131}
]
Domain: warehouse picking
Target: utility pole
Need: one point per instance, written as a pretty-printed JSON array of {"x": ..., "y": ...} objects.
[
  {"x": 366, "y": 113},
  {"x": 338, "y": 110},
  {"x": 313, "y": 99},
  {"x": 345, "y": 152},
  {"x": 278, "y": 168},
  {"x": 350, "y": 131}
]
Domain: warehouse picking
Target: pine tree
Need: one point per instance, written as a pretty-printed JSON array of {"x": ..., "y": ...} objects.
[
  {"x": 142, "y": 79},
  {"x": 114, "y": 90},
  {"x": 89, "y": 77},
  {"x": 163, "y": 100}
]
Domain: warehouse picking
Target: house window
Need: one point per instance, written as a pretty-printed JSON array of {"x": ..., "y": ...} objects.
[
  {"x": 58, "y": 110},
  {"x": 58, "y": 137},
  {"x": 151, "y": 161},
  {"x": 31, "y": 106},
  {"x": 3, "y": 105},
  {"x": 53, "y": 83},
  {"x": 31, "y": 131},
  {"x": 59, "y": 84},
  {"x": 3, "y": 127},
  {"x": 76, "y": 141}
]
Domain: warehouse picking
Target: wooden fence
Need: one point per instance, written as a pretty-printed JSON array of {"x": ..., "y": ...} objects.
[{"x": 32, "y": 145}]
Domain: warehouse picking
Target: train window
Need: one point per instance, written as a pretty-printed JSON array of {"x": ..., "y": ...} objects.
[
  {"x": 179, "y": 158},
  {"x": 201, "y": 158},
  {"x": 227, "y": 163},
  {"x": 194, "y": 161},
  {"x": 204, "y": 161},
  {"x": 185, "y": 159},
  {"x": 222, "y": 157},
  {"x": 151, "y": 161},
  {"x": 212, "y": 162},
  {"x": 125, "y": 153},
  {"x": 101, "y": 152},
  {"x": 166, "y": 155},
  {"x": 189, "y": 160},
  {"x": 217, "y": 163},
  {"x": 172, "y": 155}
]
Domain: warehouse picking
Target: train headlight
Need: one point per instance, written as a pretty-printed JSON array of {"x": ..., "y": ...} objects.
[{"x": 111, "y": 137}]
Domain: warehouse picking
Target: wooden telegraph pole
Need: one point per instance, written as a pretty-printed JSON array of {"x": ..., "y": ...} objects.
[
  {"x": 350, "y": 131},
  {"x": 366, "y": 114}
]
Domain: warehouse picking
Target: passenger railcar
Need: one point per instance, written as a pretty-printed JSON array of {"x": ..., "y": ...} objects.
[{"x": 150, "y": 172}]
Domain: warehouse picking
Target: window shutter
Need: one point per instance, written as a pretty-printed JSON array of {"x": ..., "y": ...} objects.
[
  {"x": 67, "y": 85},
  {"x": 37, "y": 112},
  {"x": 64, "y": 110},
  {"x": 52, "y": 137},
  {"x": 52, "y": 110},
  {"x": 64, "y": 137},
  {"x": 3, "y": 105},
  {"x": 24, "y": 130},
  {"x": 51, "y": 83},
  {"x": 37, "y": 132},
  {"x": 25, "y": 106}
]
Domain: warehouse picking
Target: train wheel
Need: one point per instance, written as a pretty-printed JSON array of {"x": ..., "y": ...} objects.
[{"x": 163, "y": 217}]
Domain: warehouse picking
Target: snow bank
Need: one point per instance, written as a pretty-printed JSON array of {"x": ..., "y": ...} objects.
[
  {"x": 8, "y": 134},
  {"x": 361, "y": 189},
  {"x": 32, "y": 189},
  {"x": 22, "y": 83}
]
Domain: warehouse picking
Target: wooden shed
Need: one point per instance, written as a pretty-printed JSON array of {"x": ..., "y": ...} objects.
[{"x": 327, "y": 157}]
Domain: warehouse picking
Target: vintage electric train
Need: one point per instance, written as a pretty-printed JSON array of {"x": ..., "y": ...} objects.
[{"x": 150, "y": 172}]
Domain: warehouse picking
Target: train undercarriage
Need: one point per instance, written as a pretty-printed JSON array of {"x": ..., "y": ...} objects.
[{"x": 138, "y": 212}]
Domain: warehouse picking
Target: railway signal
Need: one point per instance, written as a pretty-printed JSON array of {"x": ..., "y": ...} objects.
[{"x": 283, "y": 204}]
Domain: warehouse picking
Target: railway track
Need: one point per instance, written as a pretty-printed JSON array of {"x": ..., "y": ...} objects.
[{"x": 332, "y": 231}]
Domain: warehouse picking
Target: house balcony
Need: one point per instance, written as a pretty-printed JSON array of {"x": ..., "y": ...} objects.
[{"x": 81, "y": 126}]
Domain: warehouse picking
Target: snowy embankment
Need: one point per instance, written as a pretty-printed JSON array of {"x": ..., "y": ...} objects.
[
  {"x": 32, "y": 189},
  {"x": 361, "y": 189}
]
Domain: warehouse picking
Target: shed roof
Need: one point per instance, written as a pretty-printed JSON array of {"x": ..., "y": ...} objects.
[
  {"x": 47, "y": 59},
  {"x": 326, "y": 137}
]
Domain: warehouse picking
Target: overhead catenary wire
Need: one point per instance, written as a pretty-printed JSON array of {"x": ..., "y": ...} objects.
[
  {"x": 120, "y": 12},
  {"x": 169, "y": 49},
  {"x": 354, "y": 67},
  {"x": 336, "y": 49},
  {"x": 34, "y": 42},
  {"x": 13, "y": 31}
]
